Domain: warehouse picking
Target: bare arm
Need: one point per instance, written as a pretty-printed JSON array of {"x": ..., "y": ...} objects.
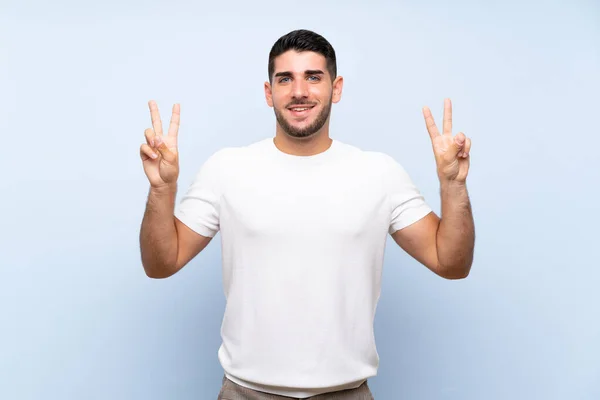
[
  {"x": 456, "y": 233},
  {"x": 445, "y": 246},
  {"x": 166, "y": 244},
  {"x": 158, "y": 235}
]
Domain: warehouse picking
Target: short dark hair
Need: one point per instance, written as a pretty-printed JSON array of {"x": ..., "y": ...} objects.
[{"x": 303, "y": 40}]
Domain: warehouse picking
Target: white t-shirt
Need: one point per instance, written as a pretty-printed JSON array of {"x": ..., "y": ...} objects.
[{"x": 303, "y": 240}]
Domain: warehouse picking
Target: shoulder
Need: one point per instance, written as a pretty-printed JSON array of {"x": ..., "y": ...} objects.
[
  {"x": 378, "y": 160},
  {"x": 232, "y": 156},
  {"x": 380, "y": 167}
]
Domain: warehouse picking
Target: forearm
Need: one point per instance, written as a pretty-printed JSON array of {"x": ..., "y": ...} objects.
[
  {"x": 456, "y": 232},
  {"x": 158, "y": 234}
]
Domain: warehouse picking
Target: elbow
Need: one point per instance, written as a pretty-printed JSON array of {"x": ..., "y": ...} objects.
[
  {"x": 156, "y": 275},
  {"x": 454, "y": 272},
  {"x": 157, "y": 271},
  {"x": 456, "y": 276}
]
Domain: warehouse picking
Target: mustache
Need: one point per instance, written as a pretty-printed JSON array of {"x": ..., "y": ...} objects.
[{"x": 300, "y": 103}]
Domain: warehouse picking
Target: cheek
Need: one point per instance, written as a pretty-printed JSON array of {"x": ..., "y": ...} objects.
[
  {"x": 278, "y": 100},
  {"x": 320, "y": 94}
]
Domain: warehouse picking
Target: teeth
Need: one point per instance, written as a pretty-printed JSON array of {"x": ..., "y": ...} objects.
[{"x": 299, "y": 109}]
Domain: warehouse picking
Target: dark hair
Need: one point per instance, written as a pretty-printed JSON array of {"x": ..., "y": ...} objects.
[{"x": 303, "y": 40}]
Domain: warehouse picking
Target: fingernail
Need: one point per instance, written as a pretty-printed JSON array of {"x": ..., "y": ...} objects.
[{"x": 154, "y": 155}]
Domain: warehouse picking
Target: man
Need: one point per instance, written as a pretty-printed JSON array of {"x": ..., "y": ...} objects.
[{"x": 303, "y": 221}]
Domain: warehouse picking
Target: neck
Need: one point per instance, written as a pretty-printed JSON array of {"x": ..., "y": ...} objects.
[{"x": 309, "y": 146}]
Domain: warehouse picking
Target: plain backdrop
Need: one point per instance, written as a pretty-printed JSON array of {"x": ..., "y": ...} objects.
[{"x": 80, "y": 319}]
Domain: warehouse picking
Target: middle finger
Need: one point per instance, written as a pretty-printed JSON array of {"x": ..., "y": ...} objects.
[{"x": 155, "y": 116}]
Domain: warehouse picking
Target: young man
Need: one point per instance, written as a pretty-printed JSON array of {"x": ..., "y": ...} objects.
[{"x": 303, "y": 221}]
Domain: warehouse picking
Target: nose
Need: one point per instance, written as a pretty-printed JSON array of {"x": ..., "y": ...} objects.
[{"x": 300, "y": 88}]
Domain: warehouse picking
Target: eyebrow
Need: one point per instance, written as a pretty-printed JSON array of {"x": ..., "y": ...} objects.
[{"x": 307, "y": 72}]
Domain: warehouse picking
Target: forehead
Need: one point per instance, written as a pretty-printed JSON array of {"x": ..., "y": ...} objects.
[{"x": 298, "y": 62}]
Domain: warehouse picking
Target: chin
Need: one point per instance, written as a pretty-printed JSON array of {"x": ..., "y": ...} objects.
[
  {"x": 303, "y": 129},
  {"x": 301, "y": 136}
]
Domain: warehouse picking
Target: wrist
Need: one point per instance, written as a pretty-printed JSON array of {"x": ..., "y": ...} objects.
[
  {"x": 450, "y": 184},
  {"x": 167, "y": 189}
]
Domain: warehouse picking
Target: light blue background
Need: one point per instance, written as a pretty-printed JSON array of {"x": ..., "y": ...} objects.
[{"x": 79, "y": 318}]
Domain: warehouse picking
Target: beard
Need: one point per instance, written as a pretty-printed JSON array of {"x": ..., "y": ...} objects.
[{"x": 307, "y": 131}]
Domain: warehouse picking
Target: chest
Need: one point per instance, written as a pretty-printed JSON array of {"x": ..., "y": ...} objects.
[{"x": 321, "y": 204}]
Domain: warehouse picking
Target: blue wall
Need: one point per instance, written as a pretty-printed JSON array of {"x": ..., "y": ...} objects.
[{"x": 80, "y": 320}]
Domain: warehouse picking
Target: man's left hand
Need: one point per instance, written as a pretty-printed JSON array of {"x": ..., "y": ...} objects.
[{"x": 451, "y": 152}]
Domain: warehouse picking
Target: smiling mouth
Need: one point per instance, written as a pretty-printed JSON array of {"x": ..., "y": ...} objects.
[{"x": 300, "y": 110}]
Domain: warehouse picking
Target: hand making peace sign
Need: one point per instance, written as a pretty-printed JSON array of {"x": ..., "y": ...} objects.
[
  {"x": 451, "y": 152},
  {"x": 159, "y": 153}
]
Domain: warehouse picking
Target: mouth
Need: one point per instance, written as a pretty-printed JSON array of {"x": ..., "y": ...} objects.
[{"x": 300, "y": 110}]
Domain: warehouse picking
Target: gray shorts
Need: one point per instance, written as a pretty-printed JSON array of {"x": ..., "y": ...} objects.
[{"x": 232, "y": 391}]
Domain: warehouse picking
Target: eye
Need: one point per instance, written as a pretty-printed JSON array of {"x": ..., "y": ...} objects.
[
  {"x": 283, "y": 79},
  {"x": 316, "y": 78}
]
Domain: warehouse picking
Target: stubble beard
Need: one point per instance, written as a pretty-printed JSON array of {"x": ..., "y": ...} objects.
[{"x": 307, "y": 131}]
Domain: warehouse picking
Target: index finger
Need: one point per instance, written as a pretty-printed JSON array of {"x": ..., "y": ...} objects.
[
  {"x": 155, "y": 116},
  {"x": 430, "y": 123},
  {"x": 174, "y": 125},
  {"x": 447, "y": 124}
]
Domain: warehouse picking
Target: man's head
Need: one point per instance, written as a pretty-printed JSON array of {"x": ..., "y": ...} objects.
[{"x": 303, "y": 82}]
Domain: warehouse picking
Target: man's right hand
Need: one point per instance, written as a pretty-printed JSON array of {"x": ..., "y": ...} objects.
[{"x": 159, "y": 153}]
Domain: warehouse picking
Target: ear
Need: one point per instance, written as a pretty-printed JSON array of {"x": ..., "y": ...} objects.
[
  {"x": 338, "y": 85},
  {"x": 268, "y": 94}
]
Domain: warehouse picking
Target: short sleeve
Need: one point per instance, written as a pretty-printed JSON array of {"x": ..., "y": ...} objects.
[
  {"x": 199, "y": 206},
  {"x": 406, "y": 202}
]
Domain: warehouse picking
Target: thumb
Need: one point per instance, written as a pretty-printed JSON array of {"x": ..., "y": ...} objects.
[{"x": 167, "y": 155}]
